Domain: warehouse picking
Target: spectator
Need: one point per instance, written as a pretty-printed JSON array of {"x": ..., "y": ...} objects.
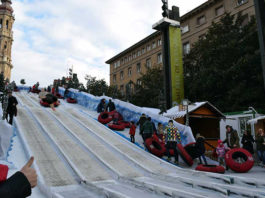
[
  {"x": 154, "y": 126},
  {"x": 20, "y": 184},
  {"x": 147, "y": 129},
  {"x": 261, "y": 146},
  {"x": 172, "y": 138},
  {"x": 160, "y": 131},
  {"x": 247, "y": 141},
  {"x": 141, "y": 123},
  {"x": 221, "y": 150},
  {"x": 111, "y": 106},
  {"x": 200, "y": 147},
  {"x": 49, "y": 89},
  {"x": 11, "y": 107},
  {"x": 101, "y": 106},
  {"x": 232, "y": 139},
  {"x": 132, "y": 132},
  {"x": 66, "y": 91}
]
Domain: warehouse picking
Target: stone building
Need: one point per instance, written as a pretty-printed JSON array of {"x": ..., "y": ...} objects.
[
  {"x": 129, "y": 64},
  {"x": 6, "y": 37}
]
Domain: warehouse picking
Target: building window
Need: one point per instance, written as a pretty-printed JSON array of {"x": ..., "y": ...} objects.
[
  {"x": 122, "y": 89},
  {"x": 122, "y": 61},
  {"x": 184, "y": 29},
  {"x": 219, "y": 11},
  {"x": 134, "y": 55},
  {"x": 148, "y": 63},
  {"x": 114, "y": 78},
  {"x": 139, "y": 53},
  {"x": 186, "y": 48},
  {"x": 118, "y": 63},
  {"x": 159, "y": 42},
  {"x": 143, "y": 50},
  {"x": 129, "y": 71},
  {"x": 139, "y": 82},
  {"x": 201, "y": 20},
  {"x": 148, "y": 47},
  {"x": 154, "y": 45},
  {"x": 241, "y": 2},
  {"x": 138, "y": 67},
  {"x": 159, "y": 58},
  {"x": 115, "y": 65},
  {"x": 121, "y": 75},
  {"x": 7, "y": 23}
]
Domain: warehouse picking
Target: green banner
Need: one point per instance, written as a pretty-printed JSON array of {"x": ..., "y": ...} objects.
[{"x": 176, "y": 63}]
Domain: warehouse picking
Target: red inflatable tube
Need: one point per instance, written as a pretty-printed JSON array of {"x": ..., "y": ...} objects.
[
  {"x": 210, "y": 168},
  {"x": 239, "y": 160},
  {"x": 125, "y": 123},
  {"x": 184, "y": 155},
  {"x": 155, "y": 147},
  {"x": 112, "y": 112},
  {"x": 117, "y": 127},
  {"x": 104, "y": 118},
  {"x": 46, "y": 104},
  {"x": 3, "y": 172},
  {"x": 71, "y": 100}
]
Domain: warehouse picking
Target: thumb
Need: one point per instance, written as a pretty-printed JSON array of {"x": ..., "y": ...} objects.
[{"x": 30, "y": 162}]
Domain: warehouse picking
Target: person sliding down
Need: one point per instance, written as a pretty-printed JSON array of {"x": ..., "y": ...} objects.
[
  {"x": 172, "y": 139},
  {"x": 51, "y": 99}
]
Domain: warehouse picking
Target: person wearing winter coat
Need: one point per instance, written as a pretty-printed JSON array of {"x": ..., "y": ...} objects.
[
  {"x": 200, "y": 147},
  {"x": 160, "y": 131},
  {"x": 141, "y": 122},
  {"x": 172, "y": 139},
  {"x": 260, "y": 141},
  {"x": 111, "y": 106},
  {"x": 232, "y": 139},
  {"x": 116, "y": 117},
  {"x": 132, "y": 132},
  {"x": 19, "y": 185},
  {"x": 11, "y": 107},
  {"x": 101, "y": 106},
  {"x": 247, "y": 142},
  {"x": 147, "y": 129},
  {"x": 221, "y": 150}
]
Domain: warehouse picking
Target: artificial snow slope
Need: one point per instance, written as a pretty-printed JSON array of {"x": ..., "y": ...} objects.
[{"x": 78, "y": 157}]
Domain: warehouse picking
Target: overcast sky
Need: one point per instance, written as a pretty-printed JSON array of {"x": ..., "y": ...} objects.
[{"x": 52, "y": 35}]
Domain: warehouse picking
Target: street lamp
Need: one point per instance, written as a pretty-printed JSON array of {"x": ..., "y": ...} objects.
[{"x": 185, "y": 103}]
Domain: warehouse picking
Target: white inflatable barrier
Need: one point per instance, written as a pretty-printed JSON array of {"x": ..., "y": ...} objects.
[{"x": 129, "y": 111}]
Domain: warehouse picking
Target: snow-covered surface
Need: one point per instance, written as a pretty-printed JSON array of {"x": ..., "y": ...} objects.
[
  {"x": 124, "y": 169},
  {"x": 255, "y": 120}
]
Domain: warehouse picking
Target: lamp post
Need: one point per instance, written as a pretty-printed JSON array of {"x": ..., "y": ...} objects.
[{"x": 185, "y": 103}]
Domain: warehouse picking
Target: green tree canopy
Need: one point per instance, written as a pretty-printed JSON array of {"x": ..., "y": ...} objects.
[{"x": 224, "y": 67}]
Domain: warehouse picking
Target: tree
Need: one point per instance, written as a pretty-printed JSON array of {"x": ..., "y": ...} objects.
[
  {"x": 22, "y": 82},
  {"x": 224, "y": 68},
  {"x": 147, "y": 93}
]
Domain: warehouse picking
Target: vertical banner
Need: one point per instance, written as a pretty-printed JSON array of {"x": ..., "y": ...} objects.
[{"x": 176, "y": 64}]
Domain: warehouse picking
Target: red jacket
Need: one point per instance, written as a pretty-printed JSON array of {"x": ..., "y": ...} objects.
[{"x": 132, "y": 130}]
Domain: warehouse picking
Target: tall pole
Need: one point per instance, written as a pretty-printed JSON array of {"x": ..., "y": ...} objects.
[{"x": 260, "y": 17}]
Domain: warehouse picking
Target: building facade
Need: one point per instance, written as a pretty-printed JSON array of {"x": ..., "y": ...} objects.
[
  {"x": 128, "y": 65},
  {"x": 6, "y": 37}
]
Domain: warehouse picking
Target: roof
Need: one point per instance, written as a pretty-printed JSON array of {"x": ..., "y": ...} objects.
[
  {"x": 174, "y": 112},
  {"x": 255, "y": 120},
  {"x": 138, "y": 44},
  {"x": 198, "y": 9}
]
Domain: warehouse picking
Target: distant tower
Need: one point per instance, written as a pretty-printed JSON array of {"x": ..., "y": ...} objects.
[{"x": 6, "y": 37}]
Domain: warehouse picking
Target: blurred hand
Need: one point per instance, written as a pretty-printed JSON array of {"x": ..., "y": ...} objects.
[
  {"x": 30, "y": 173},
  {"x": 235, "y": 146}
]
